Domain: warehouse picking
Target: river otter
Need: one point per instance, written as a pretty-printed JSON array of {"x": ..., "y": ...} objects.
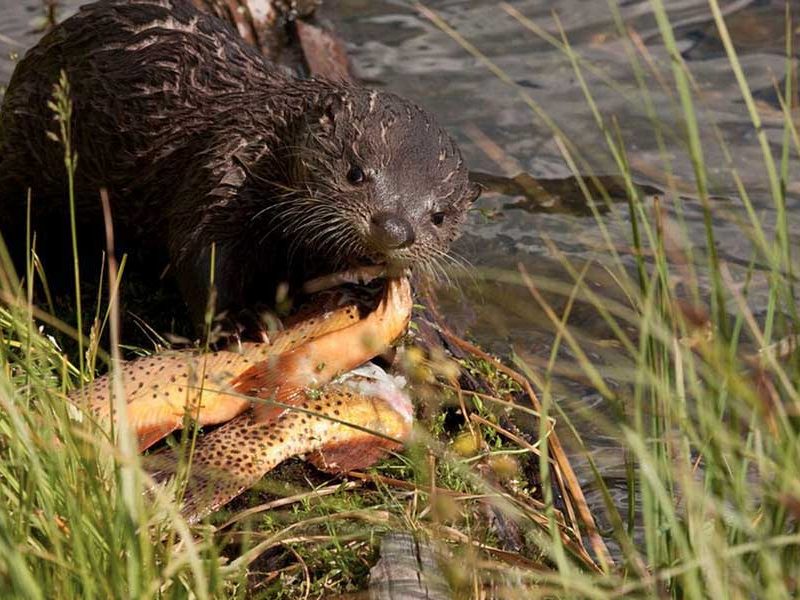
[{"x": 201, "y": 141}]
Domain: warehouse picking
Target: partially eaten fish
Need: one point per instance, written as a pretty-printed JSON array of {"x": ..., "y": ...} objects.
[
  {"x": 349, "y": 424},
  {"x": 276, "y": 398}
]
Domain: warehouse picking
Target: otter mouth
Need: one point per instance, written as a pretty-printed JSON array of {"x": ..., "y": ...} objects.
[
  {"x": 357, "y": 275},
  {"x": 363, "y": 272},
  {"x": 395, "y": 262}
]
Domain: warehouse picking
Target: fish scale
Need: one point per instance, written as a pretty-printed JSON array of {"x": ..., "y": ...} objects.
[
  {"x": 214, "y": 387},
  {"x": 234, "y": 457}
]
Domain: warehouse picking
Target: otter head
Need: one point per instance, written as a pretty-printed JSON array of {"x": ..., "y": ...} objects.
[{"x": 384, "y": 183}]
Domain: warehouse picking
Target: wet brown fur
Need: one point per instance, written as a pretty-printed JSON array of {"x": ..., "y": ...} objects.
[{"x": 201, "y": 141}]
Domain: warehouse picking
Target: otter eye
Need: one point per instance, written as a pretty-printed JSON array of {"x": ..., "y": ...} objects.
[
  {"x": 438, "y": 218},
  {"x": 356, "y": 175}
]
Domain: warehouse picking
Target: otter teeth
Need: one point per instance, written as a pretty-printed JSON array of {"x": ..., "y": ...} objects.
[{"x": 357, "y": 275}]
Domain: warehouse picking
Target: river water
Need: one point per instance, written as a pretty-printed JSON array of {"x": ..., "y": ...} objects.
[{"x": 396, "y": 46}]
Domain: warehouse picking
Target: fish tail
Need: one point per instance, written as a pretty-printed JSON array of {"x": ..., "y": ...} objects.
[{"x": 231, "y": 459}]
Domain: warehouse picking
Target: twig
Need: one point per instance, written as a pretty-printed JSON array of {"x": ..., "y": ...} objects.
[
  {"x": 565, "y": 473},
  {"x": 281, "y": 502}
]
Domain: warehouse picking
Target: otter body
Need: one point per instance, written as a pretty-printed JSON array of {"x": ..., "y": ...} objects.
[{"x": 201, "y": 142}]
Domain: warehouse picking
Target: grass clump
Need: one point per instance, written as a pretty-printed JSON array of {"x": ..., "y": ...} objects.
[
  {"x": 702, "y": 389},
  {"x": 66, "y": 529},
  {"x": 701, "y": 384}
]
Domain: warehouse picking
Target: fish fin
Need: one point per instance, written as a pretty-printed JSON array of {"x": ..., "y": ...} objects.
[
  {"x": 207, "y": 488},
  {"x": 257, "y": 379},
  {"x": 359, "y": 452},
  {"x": 272, "y": 381},
  {"x": 270, "y": 411},
  {"x": 162, "y": 466},
  {"x": 148, "y": 436}
]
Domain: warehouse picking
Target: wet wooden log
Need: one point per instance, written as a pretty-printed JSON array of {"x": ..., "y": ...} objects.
[
  {"x": 407, "y": 570},
  {"x": 298, "y": 34}
]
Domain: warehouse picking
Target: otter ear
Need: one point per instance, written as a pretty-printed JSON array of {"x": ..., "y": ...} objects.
[
  {"x": 473, "y": 193},
  {"x": 326, "y": 122},
  {"x": 331, "y": 107}
]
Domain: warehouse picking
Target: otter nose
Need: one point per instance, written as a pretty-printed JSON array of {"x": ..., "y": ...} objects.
[{"x": 391, "y": 231}]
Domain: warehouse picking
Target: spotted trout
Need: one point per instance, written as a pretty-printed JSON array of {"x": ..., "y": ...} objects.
[
  {"x": 211, "y": 388},
  {"x": 349, "y": 424}
]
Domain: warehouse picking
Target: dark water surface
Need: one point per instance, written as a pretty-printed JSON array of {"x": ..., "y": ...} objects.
[
  {"x": 392, "y": 43},
  {"x": 394, "y": 46}
]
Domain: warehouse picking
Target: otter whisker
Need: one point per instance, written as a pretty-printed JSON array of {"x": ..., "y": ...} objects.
[
  {"x": 256, "y": 161},
  {"x": 297, "y": 217}
]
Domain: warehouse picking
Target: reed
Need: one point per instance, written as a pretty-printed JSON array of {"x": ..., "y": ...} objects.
[
  {"x": 703, "y": 391},
  {"x": 705, "y": 406}
]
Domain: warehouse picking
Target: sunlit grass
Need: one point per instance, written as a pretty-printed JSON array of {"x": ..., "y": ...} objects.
[
  {"x": 707, "y": 413},
  {"x": 704, "y": 398}
]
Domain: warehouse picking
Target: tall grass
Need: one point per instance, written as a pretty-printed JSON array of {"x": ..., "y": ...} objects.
[
  {"x": 707, "y": 417},
  {"x": 708, "y": 414},
  {"x": 73, "y": 523}
]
